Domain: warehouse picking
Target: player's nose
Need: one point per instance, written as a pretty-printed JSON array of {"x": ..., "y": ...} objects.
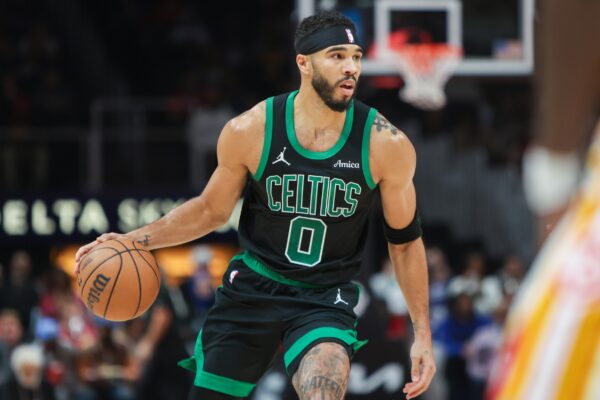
[{"x": 350, "y": 68}]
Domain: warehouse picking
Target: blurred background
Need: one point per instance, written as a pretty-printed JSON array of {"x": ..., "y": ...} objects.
[{"x": 109, "y": 117}]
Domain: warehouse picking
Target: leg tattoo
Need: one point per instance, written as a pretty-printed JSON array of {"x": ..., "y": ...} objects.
[{"x": 323, "y": 373}]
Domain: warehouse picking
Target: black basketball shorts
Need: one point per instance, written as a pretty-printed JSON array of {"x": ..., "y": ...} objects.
[{"x": 257, "y": 311}]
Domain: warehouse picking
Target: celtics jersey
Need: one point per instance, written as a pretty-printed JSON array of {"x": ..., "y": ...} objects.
[{"x": 305, "y": 212}]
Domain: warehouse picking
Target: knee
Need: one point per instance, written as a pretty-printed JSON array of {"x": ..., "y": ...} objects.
[
  {"x": 322, "y": 388},
  {"x": 323, "y": 373}
]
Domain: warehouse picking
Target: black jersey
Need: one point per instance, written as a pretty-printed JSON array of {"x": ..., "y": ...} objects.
[{"x": 305, "y": 212}]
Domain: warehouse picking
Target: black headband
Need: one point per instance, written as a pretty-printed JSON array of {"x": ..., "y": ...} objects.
[{"x": 323, "y": 38}]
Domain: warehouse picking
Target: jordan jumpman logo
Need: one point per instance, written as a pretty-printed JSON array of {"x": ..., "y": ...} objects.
[
  {"x": 280, "y": 158},
  {"x": 339, "y": 299}
]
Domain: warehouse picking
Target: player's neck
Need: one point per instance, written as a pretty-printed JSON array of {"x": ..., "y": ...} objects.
[{"x": 313, "y": 113}]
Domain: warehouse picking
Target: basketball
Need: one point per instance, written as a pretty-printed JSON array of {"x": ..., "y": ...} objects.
[{"x": 118, "y": 281}]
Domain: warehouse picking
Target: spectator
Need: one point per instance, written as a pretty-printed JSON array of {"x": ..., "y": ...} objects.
[
  {"x": 454, "y": 332},
  {"x": 385, "y": 287},
  {"x": 469, "y": 280},
  {"x": 11, "y": 334},
  {"x": 439, "y": 276},
  {"x": 76, "y": 331},
  {"x": 511, "y": 275},
  {"x": 46, "y": 334},
  {"x": 56, "y": 291},
  {"x": 106, "y": 369},
  {"x": 19, "y": 293},
  {"x": 505, "y": 283},
  {"x": 487, "y": 296},
  {"x": 28, "y": 383},
  {"x": 481, "y": 350},
  {"x": 156, "y": 351},
  {"x": 199, "y": 287},
  {"x": 11, "y": 328}
]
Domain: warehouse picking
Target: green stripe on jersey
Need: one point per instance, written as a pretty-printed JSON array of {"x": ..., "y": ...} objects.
[
  {"x": 266, "y": 141},
  {"x": 316, "y": 155},
  {"x": 365, "y": 148}
]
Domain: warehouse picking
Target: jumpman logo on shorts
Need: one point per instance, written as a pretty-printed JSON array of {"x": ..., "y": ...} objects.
[
  {"x": 339, "y": 299},
  {"x": 280, "y": 158},
  {"x": 232, "y": 275}
]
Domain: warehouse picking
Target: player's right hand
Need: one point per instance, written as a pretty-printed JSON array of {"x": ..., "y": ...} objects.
[
  {"x": 83, "y": 250},
  {"x": 422, "y": 366}
]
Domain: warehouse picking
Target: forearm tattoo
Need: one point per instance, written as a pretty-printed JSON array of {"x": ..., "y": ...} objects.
[
  {"x": 144, "y": 242},
  {"x": 381, "y": 123},
  {"x": 416, "y": 326}
]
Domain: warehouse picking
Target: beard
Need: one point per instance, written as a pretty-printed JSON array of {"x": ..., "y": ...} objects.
[{"x": 325, "y": 92}]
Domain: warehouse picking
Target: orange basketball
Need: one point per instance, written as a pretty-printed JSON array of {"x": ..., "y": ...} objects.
[{"x": 118, "y": 280}]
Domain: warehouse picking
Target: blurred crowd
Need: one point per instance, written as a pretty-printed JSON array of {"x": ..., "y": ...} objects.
[
  {"x": 468, "y": 305},
  {"x": 51, "y": 347}
]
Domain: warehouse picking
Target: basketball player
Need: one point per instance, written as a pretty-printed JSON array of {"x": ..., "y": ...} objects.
[
  {"x": 551, "y": 346},
  {"x": 308, "y": 163}
]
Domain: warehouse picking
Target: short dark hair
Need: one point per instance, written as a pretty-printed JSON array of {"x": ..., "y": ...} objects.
[{"x": 322, "y": 20}]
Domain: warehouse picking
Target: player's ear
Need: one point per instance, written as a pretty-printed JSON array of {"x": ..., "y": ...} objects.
[{"x": 303, "y": 63}]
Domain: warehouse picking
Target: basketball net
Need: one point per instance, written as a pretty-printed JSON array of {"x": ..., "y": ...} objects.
[{"x": 425, "y": 68}]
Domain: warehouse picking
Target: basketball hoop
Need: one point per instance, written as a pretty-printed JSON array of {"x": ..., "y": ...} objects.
[{"x": 425, "y": 68}]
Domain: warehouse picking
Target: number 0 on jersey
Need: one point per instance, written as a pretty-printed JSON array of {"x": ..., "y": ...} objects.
[{"x": 306, "y": 238}]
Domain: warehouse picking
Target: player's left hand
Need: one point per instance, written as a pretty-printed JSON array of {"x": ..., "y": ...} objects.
[{"x": 422, "y": 367}]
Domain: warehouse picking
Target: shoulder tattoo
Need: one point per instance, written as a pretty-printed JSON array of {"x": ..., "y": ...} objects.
[{"x": 381, "y": 123}]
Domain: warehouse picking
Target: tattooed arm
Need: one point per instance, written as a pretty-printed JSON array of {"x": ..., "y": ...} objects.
[
  {"x": 393, "y": 161},
  {"x": 381, "y": 124}
]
